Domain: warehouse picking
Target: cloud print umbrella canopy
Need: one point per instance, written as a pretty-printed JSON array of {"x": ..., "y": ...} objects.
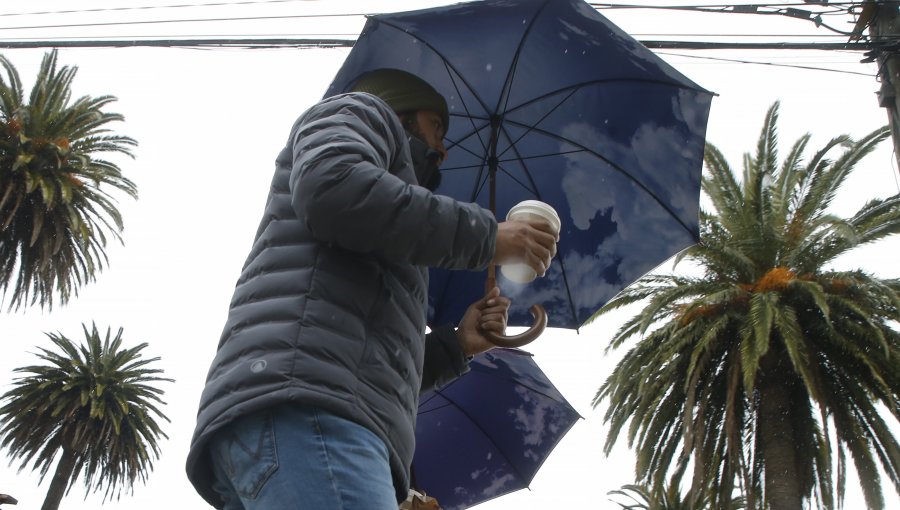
[
  {"x": 487, "y": 433},
  {"x": 558, "y": 105}
]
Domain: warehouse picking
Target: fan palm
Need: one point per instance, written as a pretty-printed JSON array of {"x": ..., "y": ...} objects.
[
  {"x": 767, "y": 370},
  {"x": 92, "y": 405},
  {"x": 55, "y": 209}
]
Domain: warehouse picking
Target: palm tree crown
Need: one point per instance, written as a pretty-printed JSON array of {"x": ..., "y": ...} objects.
[
  {"x": 94, "y": 404},
  {"x": 55, "y": 209},
  {"x": 762, "y": 369}
]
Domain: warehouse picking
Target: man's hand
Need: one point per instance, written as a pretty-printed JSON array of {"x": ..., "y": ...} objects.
[
  {"x": 487, "y": 314},
  {"x": 531, "y": 242}
]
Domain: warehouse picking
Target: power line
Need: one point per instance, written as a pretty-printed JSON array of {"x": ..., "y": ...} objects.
[
  {"x": 789, "y": 10},
  {"x": 785, "y": 9},
  {"x": 351, "y": 35},
  {"x": 311, "y": 42},
  {"x": 829, "y": 7},
  {"x": 597, "y": 5},
  {"x": 686, "y": 34},
  {"x": 779, "y": 9},
  {"x": 306, "y": 41},
  {"x": 151, "y": 7},
  {"x": 191, "y": 37},
  {"x": 249, "y": 43},
  {"x": 704, "y": 45},
  {"x": 201, "y": 20},
  {"x": 738, "y": 61}
]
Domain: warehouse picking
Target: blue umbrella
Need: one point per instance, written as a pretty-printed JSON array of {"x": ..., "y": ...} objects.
[
  {"x": 550, "y": 101},
  {"x": 487, "y": 433}
]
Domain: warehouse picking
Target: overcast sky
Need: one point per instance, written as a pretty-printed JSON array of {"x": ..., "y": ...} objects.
[{"x": 210, "y": 123}]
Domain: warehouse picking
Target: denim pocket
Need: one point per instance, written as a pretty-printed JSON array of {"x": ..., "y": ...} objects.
[{"x": 247, "y": 452}]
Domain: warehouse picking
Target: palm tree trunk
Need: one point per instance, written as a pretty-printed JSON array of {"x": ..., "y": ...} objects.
[
  {"x": 60, "y": 481},
  {"x": 776, "y": 430}
]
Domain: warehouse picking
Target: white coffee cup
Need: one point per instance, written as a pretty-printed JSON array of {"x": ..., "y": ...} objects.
[{"x": 528, "y": 210}]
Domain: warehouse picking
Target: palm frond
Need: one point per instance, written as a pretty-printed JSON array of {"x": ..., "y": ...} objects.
[
  {"x": 768, "y": 334},
  {"x": 96, "y": 400},
  {"x": 55, "y": 212}
]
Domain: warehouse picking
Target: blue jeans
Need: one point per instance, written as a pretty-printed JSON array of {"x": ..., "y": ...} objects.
[{"x": 296, "y": 458}]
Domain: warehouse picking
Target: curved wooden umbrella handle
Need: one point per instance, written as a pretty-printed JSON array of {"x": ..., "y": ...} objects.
[{"x": 540, "y": 323}]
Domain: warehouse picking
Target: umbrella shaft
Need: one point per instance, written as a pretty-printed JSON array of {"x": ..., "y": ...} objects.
[{"x": 492, "y": 161}]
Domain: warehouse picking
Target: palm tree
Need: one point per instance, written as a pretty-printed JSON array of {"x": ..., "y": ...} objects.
[
  {"x": 92, "y": 405},
  {"x": 767, "y": 370},
  {"x": 55, "y": 206},
  {"x": 669, "y": 497}
]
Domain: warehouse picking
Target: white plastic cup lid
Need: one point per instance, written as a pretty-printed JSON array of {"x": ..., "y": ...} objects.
[{"x": 536, "y": 208}]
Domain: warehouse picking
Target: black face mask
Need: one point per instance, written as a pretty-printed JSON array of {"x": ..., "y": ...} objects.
[{"x": 425, "y": 162}]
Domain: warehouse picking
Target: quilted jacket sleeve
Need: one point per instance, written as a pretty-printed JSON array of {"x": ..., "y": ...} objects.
[
  {"x": 444, "y": 359},
  {"x": 344, "y": 150}
]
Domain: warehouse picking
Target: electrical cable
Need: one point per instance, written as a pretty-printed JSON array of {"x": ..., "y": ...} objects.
[
  {"x": 842, "y": 8},
  {"x": 727, "y": 8},
  {"x": 202, "y": 20},
  {"x": 827, "y": 36},
  {"x": 189, "y": 37},
  {"x": 152, "y": 7},
  {"x": 601, "y": 5},
  {"x": 654, "y": 44},
  {"x": 738, "y": 61},
  {"x": 316, "y": 42}
]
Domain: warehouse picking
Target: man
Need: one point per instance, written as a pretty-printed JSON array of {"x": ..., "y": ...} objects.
[{"x": 311, "y": 398}]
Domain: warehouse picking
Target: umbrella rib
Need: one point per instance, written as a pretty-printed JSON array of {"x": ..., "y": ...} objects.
[
  {"x": 534, "y": 127},
  {"x": 534, "y": 189},
  {"x": 452, "y": 71},
  {"x": 487, "y": 436},
  {"x": 507, "y": 86},
  {"x": 565, "y": 275},
  {"x": 614, "y": 166},
  {"x": 562, "y": 265},
  {"x": 474, "y": 133},
  {"x": 522, "y": 383},
  {"x": 436, "y": 408},
  {"x": 519, "y": 158},
  {"x": 442, "y": 57},
  {"x": 469, "y": 116},
  {"x": 514, "y": 380},
  {"x": 457, "y": 144},
  {"x": 510, "y": 160},
  {"x": 533, "y": 186},
  {"x": 595, "y": 82},
  {"x": 529, "y": 128}
]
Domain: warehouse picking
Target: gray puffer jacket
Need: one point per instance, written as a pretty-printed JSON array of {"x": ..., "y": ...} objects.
[{"x": 330, "y": 307}]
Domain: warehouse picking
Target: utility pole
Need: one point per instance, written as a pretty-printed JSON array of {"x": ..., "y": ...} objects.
[{"x": 883, "y": 20}]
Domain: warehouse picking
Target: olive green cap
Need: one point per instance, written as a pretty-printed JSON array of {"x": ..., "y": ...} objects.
[{"x": 403, "y": 92}]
